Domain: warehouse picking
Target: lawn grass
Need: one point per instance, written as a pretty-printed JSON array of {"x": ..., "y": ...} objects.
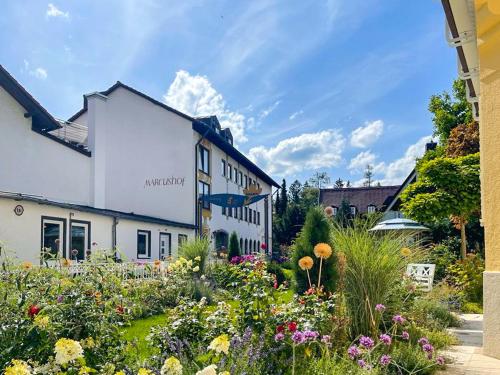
[{"x": 136, "y": 333}]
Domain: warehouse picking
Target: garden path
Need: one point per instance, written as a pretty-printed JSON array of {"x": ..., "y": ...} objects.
[{"x": 467, "y": 356}]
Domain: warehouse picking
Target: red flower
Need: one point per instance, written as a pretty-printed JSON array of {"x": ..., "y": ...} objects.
[
  {"x": 302, "y": 302},
  {"x": 263, "y": 246},
  {"x": 120, "y": 309},
  {"x": 280, "y": 328},
  {"x": 33, "y": 310},
  {"x": 292, "y": 326}
]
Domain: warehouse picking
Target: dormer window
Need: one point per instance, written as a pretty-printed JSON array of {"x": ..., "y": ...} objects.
[
  {"x": 371, "y": 209},
  {"x": 353, "y": 210},
  {"x": 335, "y": 210}
]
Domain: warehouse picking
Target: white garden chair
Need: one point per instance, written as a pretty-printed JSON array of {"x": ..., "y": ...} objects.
[{"x": 423, "y": 274}]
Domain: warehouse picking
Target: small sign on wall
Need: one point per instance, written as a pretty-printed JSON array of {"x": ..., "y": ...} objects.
[{"x": 19, "y": 210}]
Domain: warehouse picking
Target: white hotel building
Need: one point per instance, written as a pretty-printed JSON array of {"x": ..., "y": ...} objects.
[{"x": 123, "y": 173}]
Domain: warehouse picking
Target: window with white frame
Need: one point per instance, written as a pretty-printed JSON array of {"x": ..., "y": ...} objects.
[
  {"x": 240, "y": 178},
  {"x": 53, "y": 237},
  {"x": 223, "y": 167},
  {"x": 371, "y": 209},
  {"x": 335, "y": 210},
  {"x": 229, "y": 171},
  {"x": 143, "y": 244},
  {"x": 353, "y": 210}
]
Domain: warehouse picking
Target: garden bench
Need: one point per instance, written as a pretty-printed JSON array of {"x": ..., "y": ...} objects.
[{"x": 423, "y": 274}]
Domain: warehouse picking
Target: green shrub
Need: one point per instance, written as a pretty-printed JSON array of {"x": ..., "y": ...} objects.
[
  {"x": 472, "y": 308},
  {"x": 315, "y": 230},
  {"x": 234, "y": 246},
  {"x": 443, "y": 255},
  {"x": 374, "y": 267},
  {"x": 410, "y": 360},
  {"x": 196, "y": 248},
  {"x": 432, "y": 314},
  {"x": 467, "y": 275},
  {"x": 275, "y": 269}
]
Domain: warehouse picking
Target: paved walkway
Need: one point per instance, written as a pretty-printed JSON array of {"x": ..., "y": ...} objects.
[{"x": 467, "y": 357}]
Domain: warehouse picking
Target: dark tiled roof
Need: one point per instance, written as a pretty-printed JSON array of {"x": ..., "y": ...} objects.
[{"x": 360, "y": 197}]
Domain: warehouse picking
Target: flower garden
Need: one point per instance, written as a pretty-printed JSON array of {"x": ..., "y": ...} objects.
[{"x": 340, "y": 305}]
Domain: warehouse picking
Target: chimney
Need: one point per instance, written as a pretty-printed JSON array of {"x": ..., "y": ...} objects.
[
  {"x": 96, "y": 110},
  {"x": 430, "y": 146}
]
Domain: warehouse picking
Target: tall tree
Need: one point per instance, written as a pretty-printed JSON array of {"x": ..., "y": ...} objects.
[
  {"x": 234, "y": 246},
  {"x": 463, "y": 140},
  {"x": 446, "y": 187},
  {"x": 339, "y": 184},
  {"x": 448, "y": 111},
  {"x": 368, "y": 175},
  {"x": 348, "y": 184},
  {"x": 319, "y": 179},
  {"x": 277, "y": 205},
  {"x": 343, "y": 216},
  {"x": 294, "y": 191},
  {"x": 283, "y": 198}
]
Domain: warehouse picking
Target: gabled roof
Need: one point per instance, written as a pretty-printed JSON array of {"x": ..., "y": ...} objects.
[
  {"x": 203, "y": 126},
  {"x": 42, "y": 120},
  {"x": 360, "y": 197},
  {"x": 393, "y": 204}
]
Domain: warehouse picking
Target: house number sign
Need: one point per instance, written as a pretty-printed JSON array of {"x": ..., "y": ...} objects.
[{"x": 19, "y": 210}]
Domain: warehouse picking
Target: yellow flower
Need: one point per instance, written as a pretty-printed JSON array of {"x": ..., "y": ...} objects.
[
  {"x": 65, "y": 262},
  {"x": 405, "y": 251},
  {"x": 41, "y": 321},
  {"x": 67, "y": 350},
  {"x": 209, "y": 370},
  {"x": 220, "y": 344},
  {"x": 27, "y": 265},
  {"x": 85, "y": 370},
  {"x": 225, "y": 373},
  {"x": 66, "y": 283},
  {"x": 172, "y": 366},
  {"x": 120, "y": 373},
  {"x": 306, "y": 263},
  {"x": 18, "y": 368},
  {"x": 308, "y": 352},
  {"x": 196, "y": 269},
  {"x": 198, "y": 259},
  {"x": 144, "y": 371},
  {"x": 322, "y": 250},
  {"x": 88, "y": 343}
]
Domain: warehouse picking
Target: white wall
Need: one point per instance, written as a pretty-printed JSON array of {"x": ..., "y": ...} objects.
[
  {"x": 33, "y": 164},
  {"x": 144, "y": 144},
  {"x": 21, "y": 235}
]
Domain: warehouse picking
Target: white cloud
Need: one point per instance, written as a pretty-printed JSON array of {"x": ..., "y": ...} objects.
[
  {"x": 40, "y": 73},
  {"x": 53, "y": 11},
  {"x": 295, "y": 114},
  {"x": 361, "y": 160},
  {"x": 366, "y": 135},
  {"x": 307, "y": 151},
  {"x": 194, "y": 95},
  {"x": 266, "y": 112}
]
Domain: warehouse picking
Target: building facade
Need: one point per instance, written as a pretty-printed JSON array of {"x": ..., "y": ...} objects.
[{"x": 123, "y": 173}]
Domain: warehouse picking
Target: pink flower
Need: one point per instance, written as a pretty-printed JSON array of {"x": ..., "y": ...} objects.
[
  {"x": 398, "y": 319},
  {"x": 380, "y": 307},
  {"x": 325, "y": 339},
  {"x": 366, "y": 341},
  {"x": 298, "y": 337},
  {"x": 423, "y": 341},
  {"x": 353, "y": 352},
  {"x": 428, "y": 348},
  {"x": 386, "y": 339},
  {"x": 405, "y": 335},
  {"x": 440, "y": 361},
  {"x": 279, "y": 337},
  {"x": 385, "y": 360}
]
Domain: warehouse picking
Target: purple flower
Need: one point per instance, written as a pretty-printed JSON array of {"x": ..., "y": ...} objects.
[
  {"x": 423, "y": 341},
  {"x": 60, "y": 299},
  {"x": 405, "y": 335},
  {"x": 279, "y": 337},
  {"x": 385, "y": 360},
  {"x": 440, "y": 360},
  {"x": 361, "y": 363},
  {"x": 380, "y": 307},
  {"x": 366, "y": 341},
  {"x": 298, "y": 337},
  {"x": 398, "y": 319},
  {"x": 429, "y": 356},
  {"x": 325, "y": 339},
  {"x": 353, "y": 352},
  {"x": 428, "y": 348},
  {"x": 311, "y": 335},
  {"x": 386, "y": 339}
]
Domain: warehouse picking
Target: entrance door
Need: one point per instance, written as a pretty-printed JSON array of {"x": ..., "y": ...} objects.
[
  {"x": 80, "y": 239},
  {"x": 53, "y": 237},
  {"x": 165, "y": 246}
]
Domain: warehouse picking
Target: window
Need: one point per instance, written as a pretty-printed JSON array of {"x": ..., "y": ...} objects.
[
  {"x": 240, "y": 178},
  {"x": 246, "y": 213},
  {"x": 143, "y": 244},
  {"x": 229, "y": 171},
  {"x": 255, "y": 216},
  {"x": 53, "y": 237},
  {"x": 223, "y": 167},
  {"x": 80, "y": 239},
  {"x": 223, "y": 210},
  {"x": 235, "y": 175},
  {"x": 371, "y": 209},
  {"x": 182, "y": 239},
  {"x": 335, "y": 210},
  {"x": 246, "y": 181},
  {"x": 230, "y": 211},
  {"x": 250, "y": 215},
  {"x": 203, "y": 160},
  {"x": 204, "y": 189},
  {"x": 353, "y": 210},
  {"x": 241, "y": 213},
  {"x": 258, "y": 218}
]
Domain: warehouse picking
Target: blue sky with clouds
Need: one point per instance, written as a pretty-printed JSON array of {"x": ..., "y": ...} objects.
[{"x": 304, "y": 85}]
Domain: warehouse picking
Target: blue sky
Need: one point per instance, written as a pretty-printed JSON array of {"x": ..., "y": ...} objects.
[{"x": 304, "y": 85}]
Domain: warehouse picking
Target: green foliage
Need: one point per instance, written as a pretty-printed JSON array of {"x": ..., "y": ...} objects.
[
  {"x": 343, "y": 216},
  {"x": 315, "y": 230},
  {"x": 374, "y": 265},
  {"x": 234, "y": 246},
  {"x": 275, "y": 269},
  {"x": 464, "y": 140},
  {"x": 467, "y": 275},
  {"x": 449, "y": 112},
  {"x": 443, "y": 255},
  {"x": 472, "y": 308},
  {"x": 410, "y": 360},
  {"x": 198, "y": 247},
  {"x": 433, "y": 314}
]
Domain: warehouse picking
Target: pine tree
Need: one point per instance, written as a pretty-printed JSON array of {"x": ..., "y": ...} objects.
[
  {"x": 339, "y": 184},
  {"x": 316, "y": 229},
  {"x": 348, "y": 184},
  {"x": 294, "y": 191},
  {"x": 277, "y": 205},
  {"x": 234, "y": 246},
  {"x": 283, "y": 198},
  {"x": 368, "y": 175}
]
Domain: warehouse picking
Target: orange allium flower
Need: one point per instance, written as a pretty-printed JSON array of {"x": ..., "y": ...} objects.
[
  {"x": 322, "y": 250},
  {"x": 306, "y": 263}
]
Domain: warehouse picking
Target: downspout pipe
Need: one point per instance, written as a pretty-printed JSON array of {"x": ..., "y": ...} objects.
[{"x": 197, "y": 206}]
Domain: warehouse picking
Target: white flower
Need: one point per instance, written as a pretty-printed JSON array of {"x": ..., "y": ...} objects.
[
  {"x": 67, "y": 350},
  {"x": 220, "y": 344},
  {"x": 172, "y": 366},
  {"x": 209, "y": 370}
]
